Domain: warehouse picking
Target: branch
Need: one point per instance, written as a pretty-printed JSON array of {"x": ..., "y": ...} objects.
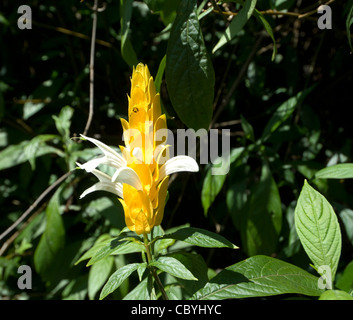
[
  {"x": 91, "y": 67},
  {"x": 281, "y": 13},
  {"x": 35, "y": 204}
]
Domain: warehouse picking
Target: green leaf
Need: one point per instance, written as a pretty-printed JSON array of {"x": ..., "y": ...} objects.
[
  {"x": 160, "y": 72},
  {"x": 247, "y": 128},
  {"x": 117, "y": 278},
  {"x": 335, "y": 295},
  {"x": 100, "y": 242},
  {"x": 237, "y": 24},
  {"x": 201, "y": 238},
  {"x": 115, "y": 247},
  {"x": 173, "y": 266},
  {"x": 283, "y": 112},
  {"x": 63, "y": 121},
  {"x": 345, "y": 281},
  {"x": 143, "y": 291},
  {"x": 337, "y": 171},
  {"x": 261, "y": 219},
  {"x": 28, "y": 150},
  {"x": 259, "y": 276},
  {"x": 318, "y": 229},
  {"x": 127, "y": 50},
  {"x": 189, "y": 71},
  {"x": 349, "y": 22},
  {"x": 213, "y": 184},
  {"x": 98, "y": 275},
  {"x": 197, "y": 266},
  {"x": 48, "y": 252},
  {"x": 259, "y": 16},
  {"x": 346, "y": 216}
]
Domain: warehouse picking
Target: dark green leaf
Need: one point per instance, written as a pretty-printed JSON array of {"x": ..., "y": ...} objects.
[
  {"x": 259, "y": 276},
  {"x": 283, "y": 112},
  {"x": 98, "y": 275},
  {"x": 63, "y": 121},
  {"x": 349, "y": 22},
  {"x": 237, "y": 24},
  {"x": 201, "y": 238},
  {"x": 117, "y": 278},
  {"x": 115, "y": 247},
  {"x": 102, "y": 241},
  {"x": 345, "y": 281},
  {"x": 335, "y": 295},
  {"x": 259, "y": 16},
  {"x": 262, "y": 216},
  {"x": 27, "y": 151},
  {"x": 48, "y": 252},
  {"x": 127, "y": 50},
  {"x": 213, "y": 184},
  {"x": 174, "y": 267},
  {"x": 143, "y": 291},
  {"x": 189, "y": 71}
]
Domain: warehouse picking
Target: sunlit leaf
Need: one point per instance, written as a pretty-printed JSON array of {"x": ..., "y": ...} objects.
[
  {"x": 318, "y": 229},
  {"x": 259, "y": 276}
]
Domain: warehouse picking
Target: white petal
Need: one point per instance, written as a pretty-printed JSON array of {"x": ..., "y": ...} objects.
[
  {"x": 116, "y": 159},
  {"x": 104, "y": 184},
  {"x": 110, "y": 187},
  {"x": 178, "y": 164},
  {"x": 128, "y": 176},
  {"x": 90, "y": 165}
]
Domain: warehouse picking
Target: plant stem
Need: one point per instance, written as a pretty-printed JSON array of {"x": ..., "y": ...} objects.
[{"x": 153, "y": 270}]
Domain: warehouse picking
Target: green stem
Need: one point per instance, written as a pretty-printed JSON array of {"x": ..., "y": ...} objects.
[{"x": 153, "y": 270}]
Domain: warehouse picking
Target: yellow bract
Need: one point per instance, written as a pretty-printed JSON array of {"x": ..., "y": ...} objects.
[{"x": 144, "y": 208}]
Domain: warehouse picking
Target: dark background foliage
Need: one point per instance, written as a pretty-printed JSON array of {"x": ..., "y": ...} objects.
[{"x": 44, "y": 69}]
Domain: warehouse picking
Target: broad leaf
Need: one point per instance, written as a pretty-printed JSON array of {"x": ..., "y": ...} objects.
[
  {"x": 98, "y": 275},
  {"x": 213, "y": 184},
  {"x": 318, "y": 229},
  {"x": 337, "y": 171},
  {"x": 100, "y": 243},
  {"x": 189, "y": 71},
  {"x": 237, "y": 24},
  {"x": 283, "y": 112},
  {"x": 127, "y": 51},
  {"x": 28, "y": 151},
  {"x": 143, "y": 291},
  {"x": 201, "y": 238},
  {"x": 261, "y": 219},
  {"x": 117, "y": 278},
  {"x": 48, "y": 252},
  {"x": 198, "y": 267},
  {"x": 345, "y": 281},
  {"x": 173, "y": 267},
  {"x": 63, "y": 121},
  {"x": 259, "y": 16},
  {"x": 115, "y": 247},
  {"x": 259, "y": 276},
  {"x": 335, "y": 295}
]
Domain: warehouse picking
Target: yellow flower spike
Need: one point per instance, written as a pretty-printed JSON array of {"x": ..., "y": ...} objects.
[{"x": 143, "y": 167}]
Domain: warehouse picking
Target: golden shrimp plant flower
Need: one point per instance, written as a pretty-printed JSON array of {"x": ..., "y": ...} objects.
[{"x": 142, "y": 169}]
